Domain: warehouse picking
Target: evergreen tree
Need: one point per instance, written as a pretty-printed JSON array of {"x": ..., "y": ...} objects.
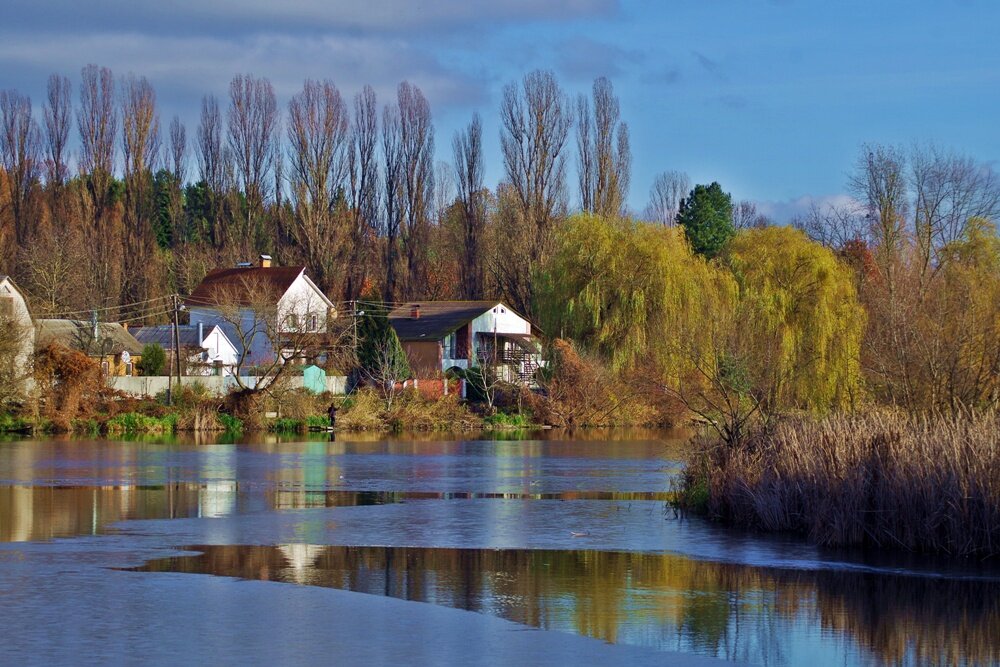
[{"x": 707, "y": 218}]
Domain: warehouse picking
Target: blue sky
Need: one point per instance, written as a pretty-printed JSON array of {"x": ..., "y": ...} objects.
[{"x": 772, "y": 99}]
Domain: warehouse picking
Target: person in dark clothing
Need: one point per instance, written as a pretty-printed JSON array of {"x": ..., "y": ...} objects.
[{"x": 332, "y": 413}]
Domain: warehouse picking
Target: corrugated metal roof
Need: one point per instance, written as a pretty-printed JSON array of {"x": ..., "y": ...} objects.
[
  {"x": 163, "y": 335},
  {"x": 437, "y": 318}
]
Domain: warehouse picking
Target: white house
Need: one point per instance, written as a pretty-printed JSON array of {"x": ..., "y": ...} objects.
[
  {"x": 16, "y": 319},
  {"x": 442, "y": 335},
  {"x": 205, "y": 350},
  {"x": 252, "y": 304}
]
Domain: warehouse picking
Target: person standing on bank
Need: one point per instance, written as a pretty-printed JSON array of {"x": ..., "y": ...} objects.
[{"x": 332, "y": 413}]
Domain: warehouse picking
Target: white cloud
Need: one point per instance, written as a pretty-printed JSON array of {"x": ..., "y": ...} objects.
[
  {"x": 189, "y": 66},
  {"x": 784, "y": 212}
]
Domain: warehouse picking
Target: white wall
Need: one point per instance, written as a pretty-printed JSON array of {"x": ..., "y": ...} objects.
[
  {"x": 499, "y": 316},
  {"x": 304, "y": 300},
  {"x": 21, "y": 315},
  {"x": 217, "y": 385}
]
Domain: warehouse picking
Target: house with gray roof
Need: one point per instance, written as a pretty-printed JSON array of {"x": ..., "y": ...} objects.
[
  {"x": 205, "y": 350},
  {"x": 439, "y": 336}
]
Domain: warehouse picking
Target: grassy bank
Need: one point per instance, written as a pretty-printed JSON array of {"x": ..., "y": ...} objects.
[
  {"x": 368, "y": 410},
  {"x": 924, "y": 484}
]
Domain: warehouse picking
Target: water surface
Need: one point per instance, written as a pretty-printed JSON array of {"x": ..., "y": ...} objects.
[{"x": 561, "y": 534}]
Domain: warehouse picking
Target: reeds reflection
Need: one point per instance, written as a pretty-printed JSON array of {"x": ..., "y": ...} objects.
[{"x": 734, "y": 611}]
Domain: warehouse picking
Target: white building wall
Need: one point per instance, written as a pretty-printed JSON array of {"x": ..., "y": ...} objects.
[
  {"x": 307, "y": 303},
  {"x": 221, "y": 349},
  {"x": 499, "y": 319},
  {"x": 22, "y": 316}
]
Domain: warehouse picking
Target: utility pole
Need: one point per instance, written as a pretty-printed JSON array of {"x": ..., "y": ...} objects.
[
  {"x": 177, "y": 340},
  {"x": 354, "y": 319}
]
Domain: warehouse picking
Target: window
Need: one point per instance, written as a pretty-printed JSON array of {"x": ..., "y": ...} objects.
[
  {"x": 7, "y": 307},
  {"x": 105, "y": 368},
  {"x": 313, "y": 320},
  {"x": 293, "y": 321}
]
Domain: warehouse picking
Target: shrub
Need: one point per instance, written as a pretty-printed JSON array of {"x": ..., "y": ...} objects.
[
  {"x": 69, "y": 383},
  {"x": 153, "y": 361}
]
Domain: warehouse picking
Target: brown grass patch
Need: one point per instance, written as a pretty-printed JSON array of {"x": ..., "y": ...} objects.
[{"x": 917, "y": 483}]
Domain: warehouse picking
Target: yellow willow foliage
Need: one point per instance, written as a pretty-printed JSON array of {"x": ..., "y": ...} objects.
[
  {"x": 800, "y": 307},
  {"x": 962, "y": 320},
  {"x": 631, "y": 292}
]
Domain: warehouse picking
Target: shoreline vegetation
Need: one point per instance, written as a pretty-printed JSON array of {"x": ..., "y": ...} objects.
[{"x": 880, "y": 479}]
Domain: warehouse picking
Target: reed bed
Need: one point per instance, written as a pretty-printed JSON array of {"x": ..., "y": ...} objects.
[{"x": 916, "y": 483}]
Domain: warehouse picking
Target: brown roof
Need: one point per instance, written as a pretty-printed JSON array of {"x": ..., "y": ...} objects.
[
  {"x": 437, "y": 318},
  {"x": 234, "y": 282}
]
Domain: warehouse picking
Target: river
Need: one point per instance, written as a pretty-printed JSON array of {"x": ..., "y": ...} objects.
[{"x": 434, "y": 549}]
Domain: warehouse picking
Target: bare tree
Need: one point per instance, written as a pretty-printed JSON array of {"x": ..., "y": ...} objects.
[
  {"x": 385, "y": 366},
  {"x": 745, "y": 216},
  {"x": 393, "y": 198},
  {"x": 54, "y": 266},
  {"x": 605, "y": 157},
  {"x": 58, "y": 117},
  {"x": 665, "y": 195},
  {"x": 468, "y": 149},
  {"x": 140, "y": 147},
  {"x": 318, "y": 142},
  {"x": 97, "y": 120},
  {"x": 209, "y": 144},
  {"x": 835, "y": 226},
  {"x": 444, "y": 189},
  {"x": 20, "y": 156},
  {"x": 417, "y": 157},
  {"x": 536, "y": 119},
  {"x": 177, "y": 159},
  {"x": 948, "y": 190},
  {"x": 879, "y": 182},
  {"x": 364, "y": 188},
  {"x": 212, "y": 163},
  {"x": 253, "y": 126}
]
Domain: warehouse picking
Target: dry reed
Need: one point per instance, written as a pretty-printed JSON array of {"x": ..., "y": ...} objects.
[{"x": 916, "y": 483}]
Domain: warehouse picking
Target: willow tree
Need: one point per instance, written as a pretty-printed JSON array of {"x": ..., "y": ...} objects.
[
  {"x": 798, "y": 320},
  {"x": 632, "y": 292}
]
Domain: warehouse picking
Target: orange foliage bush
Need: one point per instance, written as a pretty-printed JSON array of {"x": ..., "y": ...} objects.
[{"x": 69, "y": 385}]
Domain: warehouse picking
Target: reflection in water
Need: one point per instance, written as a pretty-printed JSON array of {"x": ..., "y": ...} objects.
[
  {"x": 29, "y": 513},
  {"x": 738, "y": 612}
]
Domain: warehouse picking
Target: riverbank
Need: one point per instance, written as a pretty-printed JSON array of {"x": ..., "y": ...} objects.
[
  {"x": 364, "y": 410},
  {"x": 880, "y": 479}
]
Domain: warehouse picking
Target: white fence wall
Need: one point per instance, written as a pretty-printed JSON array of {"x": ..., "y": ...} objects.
[{"x": 219, "y": 385}]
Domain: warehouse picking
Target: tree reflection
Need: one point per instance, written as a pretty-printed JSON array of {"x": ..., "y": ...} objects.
[{"x": 733, "y": 611}]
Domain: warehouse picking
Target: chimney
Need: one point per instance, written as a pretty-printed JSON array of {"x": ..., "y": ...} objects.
[
  {"x": 125, "y": 326},
  {"x": 415, "y": 311},
  {"x": 265, "y": 261}
]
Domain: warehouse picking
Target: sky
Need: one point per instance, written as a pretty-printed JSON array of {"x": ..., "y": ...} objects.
[{"x": 773, "y": 99}]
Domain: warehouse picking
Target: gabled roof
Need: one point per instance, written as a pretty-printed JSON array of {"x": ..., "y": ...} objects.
[
  {"x": 437, "y": 318},
  {"x": 163, "y": 335},
  {"x": 78, "y": 335},
  {"x": 240, "y": 281}
]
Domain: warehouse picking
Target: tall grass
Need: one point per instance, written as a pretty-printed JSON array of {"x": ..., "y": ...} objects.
[{"x": 917, "y": 483}]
